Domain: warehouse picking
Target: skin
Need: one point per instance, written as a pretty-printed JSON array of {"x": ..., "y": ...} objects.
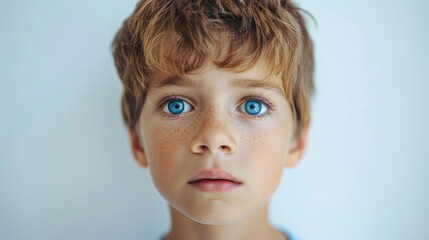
[{"x": 216, "y": 132}]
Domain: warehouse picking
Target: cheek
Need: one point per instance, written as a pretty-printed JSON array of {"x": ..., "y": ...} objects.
[
  {"x": 164, "y": 144},
  {"x": 266, "y": 155}
]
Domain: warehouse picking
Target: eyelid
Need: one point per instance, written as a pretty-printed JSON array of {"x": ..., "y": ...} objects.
[
  {"x": 169, "y": 97},
  {"x": 166, "y": 99},
  {"x": 260, "y": 98}
]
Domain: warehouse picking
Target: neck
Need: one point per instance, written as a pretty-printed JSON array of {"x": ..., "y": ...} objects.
[{"x": 256, "y": 226}]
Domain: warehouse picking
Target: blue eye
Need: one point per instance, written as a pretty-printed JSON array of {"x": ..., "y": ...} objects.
[
  {"x": 176, "y": 106},
  {"x": 253, "y": 107}
]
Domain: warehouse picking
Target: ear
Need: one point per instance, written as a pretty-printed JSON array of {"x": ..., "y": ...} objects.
[
  {"x": 137, "y": 149},
  {"x": 297, "y": 146}
]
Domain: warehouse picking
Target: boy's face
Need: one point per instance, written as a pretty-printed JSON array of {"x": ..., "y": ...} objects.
[{"x": 217, "y": 119}]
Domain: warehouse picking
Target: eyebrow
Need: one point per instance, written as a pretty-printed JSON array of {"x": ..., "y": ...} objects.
[
  {"x": 242, "y": 83},
  {"x": 176, "y": 81},
  {"x": 254, "y": 83}
]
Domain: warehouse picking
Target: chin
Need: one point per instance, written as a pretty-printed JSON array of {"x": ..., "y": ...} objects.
[
  {"x": 215, "y": 217},
  {"x": 214, "y": 221}
]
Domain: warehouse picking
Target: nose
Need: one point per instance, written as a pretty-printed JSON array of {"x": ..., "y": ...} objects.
[{"x": 214, "y": 136}]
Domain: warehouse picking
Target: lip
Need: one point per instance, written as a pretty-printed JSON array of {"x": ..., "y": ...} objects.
[
  {"x": 214, "y": 180},
  {"x": 214, "y": 175}
]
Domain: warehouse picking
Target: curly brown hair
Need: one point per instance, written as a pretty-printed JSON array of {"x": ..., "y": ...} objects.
[{"x": 180, "y": 36}]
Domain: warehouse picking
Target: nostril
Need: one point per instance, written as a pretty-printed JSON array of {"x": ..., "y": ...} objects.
[{"x": 204, "y": 147}]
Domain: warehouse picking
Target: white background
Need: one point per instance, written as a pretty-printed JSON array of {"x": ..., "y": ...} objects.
[{"x": 66, "y": 171}]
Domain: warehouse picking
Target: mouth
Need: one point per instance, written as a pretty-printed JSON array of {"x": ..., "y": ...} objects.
[{"x": 215, "y": 180}]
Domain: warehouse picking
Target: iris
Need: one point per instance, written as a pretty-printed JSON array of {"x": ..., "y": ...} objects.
[
  {"x": 176, "y": 106},
  {"x": 253, "y": 107}
]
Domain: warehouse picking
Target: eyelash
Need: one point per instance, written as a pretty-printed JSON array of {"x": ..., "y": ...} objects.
[
  {"x": 258, "y": 97},
  {"x": 165, "y": 100}
]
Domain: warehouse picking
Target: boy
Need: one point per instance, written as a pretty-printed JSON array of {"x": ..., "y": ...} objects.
[{"x": 216, "y": 100}]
